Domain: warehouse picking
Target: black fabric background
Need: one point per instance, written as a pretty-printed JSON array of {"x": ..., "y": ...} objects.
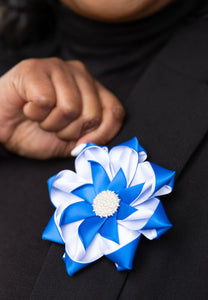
[
  {"x": 175, "y": 266},
  {"x": 167, "y": 111}
]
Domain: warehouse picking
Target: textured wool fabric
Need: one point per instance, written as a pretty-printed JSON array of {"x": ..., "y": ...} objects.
[
  {"x": 175, "y": 135},
  {"x": 160, "y": 73}
]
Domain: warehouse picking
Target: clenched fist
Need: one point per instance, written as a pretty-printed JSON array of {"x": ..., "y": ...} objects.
[{"x": 48, "y": 106}]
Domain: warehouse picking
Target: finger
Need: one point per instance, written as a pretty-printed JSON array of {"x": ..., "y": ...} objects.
[
  {"x": 68, "y": 102},
  {"x": 112, "y": 119},
  {"x": 39, "y": 94},
  {"x": 36, "y": 112},
  {"x": 90, "y": 117}
]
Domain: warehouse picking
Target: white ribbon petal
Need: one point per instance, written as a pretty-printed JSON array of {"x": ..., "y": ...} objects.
[
  {"x": 166, "y": 189},
  {"x": 144, "y": 174},
  {"x": 67, "y": 201},
  {"x": 123, "y": 157},
  {"x": 149, "y": 233},
  {"x": 75, "y": 248},
  {"x": 99, "y": 246},
  {"x": 92, "y": 153},
  {"x": 64, "y": 183},
  {"x": 125, "y": 237},
  {"x": 138, "y": 219},
  {"x": 136, "y": 172}
]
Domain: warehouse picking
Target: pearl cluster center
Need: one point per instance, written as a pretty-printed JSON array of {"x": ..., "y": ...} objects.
[{"x": 106, "y": 204}]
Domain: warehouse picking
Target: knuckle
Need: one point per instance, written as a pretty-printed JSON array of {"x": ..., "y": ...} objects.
[
  {"x": 70, "y": 106},
  {"x": 45, "y": 99},
  {"x": 41, "y": 95},
  {"x": 79, "y": 64},
  {"x": 90, "y": 124},
  {"x": 56, "y": 60},
  {"x": 69, "y": 111},
  {"x": 29, "y": 63},
  {"x": 118, "y": 112},
  {"x": 23, "y": 69},
  {"x": 41, "y": 63}
]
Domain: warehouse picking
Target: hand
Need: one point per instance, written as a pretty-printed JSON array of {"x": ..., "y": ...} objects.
[{"x": 49, "y": 106}]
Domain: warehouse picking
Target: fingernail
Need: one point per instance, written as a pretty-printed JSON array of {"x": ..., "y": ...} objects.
[{"x": 77, "y": 149}]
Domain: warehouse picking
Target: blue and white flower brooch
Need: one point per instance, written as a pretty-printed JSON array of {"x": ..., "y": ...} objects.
[{"x": 104, "y": 207}]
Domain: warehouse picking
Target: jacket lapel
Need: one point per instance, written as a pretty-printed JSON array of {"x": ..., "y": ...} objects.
[{"x": 167, "y": 112}]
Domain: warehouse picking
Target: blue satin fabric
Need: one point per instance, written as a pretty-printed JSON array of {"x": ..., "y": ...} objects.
[
  {"x": 158, "y": 221},
  {"x": 124, "y": 256},
  {"x": 73, "y": 266},
  {"x": 133, "y": 143},
  {"x": 164, "y": 177},
  {"x": 51, "y": 232},
  {"x": 107, "y": 227}
]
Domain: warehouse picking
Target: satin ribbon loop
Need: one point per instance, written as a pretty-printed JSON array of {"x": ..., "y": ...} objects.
[{"x": 111, "y": 201}]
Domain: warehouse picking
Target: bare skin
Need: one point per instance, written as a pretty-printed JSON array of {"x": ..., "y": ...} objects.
[
  {"x": 48, "y": 106},
  {"x": 116, "y": 10}
]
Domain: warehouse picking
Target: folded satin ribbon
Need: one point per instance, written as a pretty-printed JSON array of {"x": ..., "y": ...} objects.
[{"x": 104, "y": 207}]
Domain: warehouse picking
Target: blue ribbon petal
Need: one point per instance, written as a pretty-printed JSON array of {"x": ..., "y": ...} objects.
[
  {"x": 134, "y": 144},
  {"x": 72, "y": 266},
  {"x": 109, "y": 230},
  {"x": 89, "y": 228},
  {"x": 128, "y": 195},
  {"x": 125, "y": 211},
  {"x": 163, "y": 177},
  {"x": 100, "y": 178},
  {"x": 85, "y": 192},
  {"x": 118, "y": 183},
  {"x": 107, "y": 227},
  {"x": 76, "y": 211},
  {"x": 158, "y": 221},
  {"x": 124, "y": 256},
  {"x": 50, "y": 182},
  {"x": 120, "y": 268},
  {"x": 51, "y": 232}
]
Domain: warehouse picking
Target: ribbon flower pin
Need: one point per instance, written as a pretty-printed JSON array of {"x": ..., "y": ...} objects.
[{"x": 104, "y": 207}]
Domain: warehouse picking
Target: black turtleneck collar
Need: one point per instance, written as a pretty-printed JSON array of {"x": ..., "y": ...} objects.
[
  {"x": 114, "y": 51},
  {"x": 82, "y": 34}
]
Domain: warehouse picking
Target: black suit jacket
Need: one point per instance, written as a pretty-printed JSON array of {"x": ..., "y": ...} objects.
[{"x": 168, "y": 112}]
